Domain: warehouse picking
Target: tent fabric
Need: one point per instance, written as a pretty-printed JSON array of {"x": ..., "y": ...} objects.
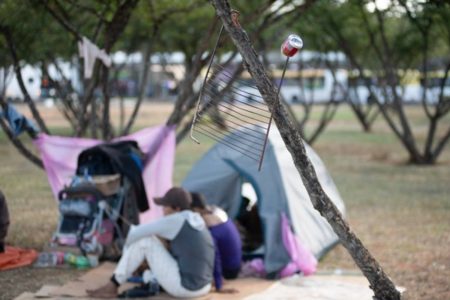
[
  {"x": 220, "y": 173},
  {"x": 60, "y": 155},
  {"x": 15, "y": 257},
  {"x": 302, "y": 258}
]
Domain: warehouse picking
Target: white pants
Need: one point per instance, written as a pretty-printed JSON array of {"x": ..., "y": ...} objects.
[{"x": 162, "y": 264}]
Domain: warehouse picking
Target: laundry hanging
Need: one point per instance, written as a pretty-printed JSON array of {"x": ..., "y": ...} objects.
[{"x": 90, "y": 52}]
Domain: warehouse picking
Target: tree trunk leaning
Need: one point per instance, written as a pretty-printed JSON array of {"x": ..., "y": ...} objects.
[{"x": 380, "y": 283}]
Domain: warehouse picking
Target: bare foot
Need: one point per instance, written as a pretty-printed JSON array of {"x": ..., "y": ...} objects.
[{"x": 107, "y": 291}]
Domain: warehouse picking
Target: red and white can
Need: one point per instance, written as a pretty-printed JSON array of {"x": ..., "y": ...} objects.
[{"x": 291, "y": 45}]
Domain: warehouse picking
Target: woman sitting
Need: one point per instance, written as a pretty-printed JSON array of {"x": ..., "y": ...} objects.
[{"x": 226, "y": 238}]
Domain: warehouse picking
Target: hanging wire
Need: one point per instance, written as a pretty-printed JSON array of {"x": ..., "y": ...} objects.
[
  {"x": 246, "y": 114},
  {"x": 203, "y": 85},
  {"x": 238, "y": 118},
  {"x": 270, "y": 121}
]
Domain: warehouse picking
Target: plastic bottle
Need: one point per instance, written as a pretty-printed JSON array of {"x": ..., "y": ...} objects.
[
  {"x": 70, "y": 258},
  {"x": 59, "y": 257},
  {"x": 82, "y": 262},
  {"x": 79, "y": 261},
  {"x": 93, "y": 259},
  {"x": 46, "y": 259}
]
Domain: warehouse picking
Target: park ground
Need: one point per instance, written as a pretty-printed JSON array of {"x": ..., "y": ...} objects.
[{"x": 400, "y": 212}]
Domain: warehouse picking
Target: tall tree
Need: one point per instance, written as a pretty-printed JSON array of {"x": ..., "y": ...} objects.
[{"x": 382, "y": 286}]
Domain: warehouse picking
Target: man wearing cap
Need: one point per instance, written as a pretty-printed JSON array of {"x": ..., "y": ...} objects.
[{"x": 185, "y": 267}]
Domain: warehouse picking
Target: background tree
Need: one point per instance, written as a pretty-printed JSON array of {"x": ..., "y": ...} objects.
[
  {"x": 368, "y": 37},
  {"x": 381, "y": 45},
  {"x": 319, "y": 39},
  {"x": 155, "y": 27}
]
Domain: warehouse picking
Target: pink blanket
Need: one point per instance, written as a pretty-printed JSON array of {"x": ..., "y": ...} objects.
[
  {"x": 60, "y": 155},
  {"x": 301, "y": 258}
]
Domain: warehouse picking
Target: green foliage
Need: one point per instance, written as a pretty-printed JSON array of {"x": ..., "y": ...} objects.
[
  {"x": 329, "y": 21},
  {"x": 35, "y": 33},
  {"x": 178, "y": 25},
  {"x": 184, "y": 32}
]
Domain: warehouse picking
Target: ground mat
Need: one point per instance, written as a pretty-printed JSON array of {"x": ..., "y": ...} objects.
[{"x": 317, "y": 287}]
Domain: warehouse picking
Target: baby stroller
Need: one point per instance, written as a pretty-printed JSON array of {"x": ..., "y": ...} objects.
[{"x": 103, "y": 199}]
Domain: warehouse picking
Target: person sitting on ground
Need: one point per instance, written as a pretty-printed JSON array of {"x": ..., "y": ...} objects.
[
  {"x": 226, "y": 239},
  {"x": 185, "y": 268},
  {"x": 4, "y": 221}
]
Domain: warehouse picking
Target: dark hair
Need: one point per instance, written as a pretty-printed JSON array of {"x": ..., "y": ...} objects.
[{"x": 198, "y": 201}]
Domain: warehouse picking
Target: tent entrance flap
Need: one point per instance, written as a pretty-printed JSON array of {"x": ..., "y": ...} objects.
[{"x": 249, "y": 223}]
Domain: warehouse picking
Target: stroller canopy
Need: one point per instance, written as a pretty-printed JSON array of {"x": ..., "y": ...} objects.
[{"x": 124, "y": 158}]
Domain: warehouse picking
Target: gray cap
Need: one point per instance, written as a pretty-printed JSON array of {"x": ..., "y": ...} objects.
[{"x": 175, "y": 197}]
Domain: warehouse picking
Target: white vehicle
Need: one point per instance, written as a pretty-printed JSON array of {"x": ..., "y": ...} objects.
[
  {"x": 410, "y": 89},
  {"x": 298, "y": 86},
  {"x": 35, "y": 83},
  {"x": 32, "y": 80},
  {"x": 318, "y": 86}
]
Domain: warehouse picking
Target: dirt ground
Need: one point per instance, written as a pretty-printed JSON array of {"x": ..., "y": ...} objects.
[{"x": 29, "y": 279}]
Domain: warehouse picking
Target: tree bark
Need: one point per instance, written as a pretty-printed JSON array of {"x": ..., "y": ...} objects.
[
  {"x": 142, "y": 88},
  {"x": 107, "y": 134},
  {"x": 118, "y": 23},
  {"x": 12, "y": 48},
  {"x": 380, "y": 283},
  {"x": 83, "y": 119}
]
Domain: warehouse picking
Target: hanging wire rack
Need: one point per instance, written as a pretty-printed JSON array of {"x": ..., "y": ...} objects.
[{"x": 247, "y": 116}]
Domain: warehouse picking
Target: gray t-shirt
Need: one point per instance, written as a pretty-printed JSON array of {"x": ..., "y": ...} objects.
[{"x": 194, "y": 252}]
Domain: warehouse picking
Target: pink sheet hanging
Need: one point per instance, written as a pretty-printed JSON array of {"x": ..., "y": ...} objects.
[{"x": 60, "y": 155}]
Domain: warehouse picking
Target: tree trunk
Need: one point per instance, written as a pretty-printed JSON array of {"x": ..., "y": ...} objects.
[
  {"x": 107, "y": 134},
  {"x": 380, "y": 283},
  {"x": 327, "y": 116},
  {"x": 118, "y": 23},
  {"x": 142, "y": 88},
  {"x": 88, "y": 93},
  {"x": 27, "y": 97}
]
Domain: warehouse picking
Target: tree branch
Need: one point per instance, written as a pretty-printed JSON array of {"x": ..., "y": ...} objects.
[
  {"x": 17, "y": 142},
  {"x": 62, "y": 21},
  {"x": 12, "y": 49}
]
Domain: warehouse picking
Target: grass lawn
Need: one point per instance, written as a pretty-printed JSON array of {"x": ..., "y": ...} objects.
[{"x": 400, "y": 212}]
